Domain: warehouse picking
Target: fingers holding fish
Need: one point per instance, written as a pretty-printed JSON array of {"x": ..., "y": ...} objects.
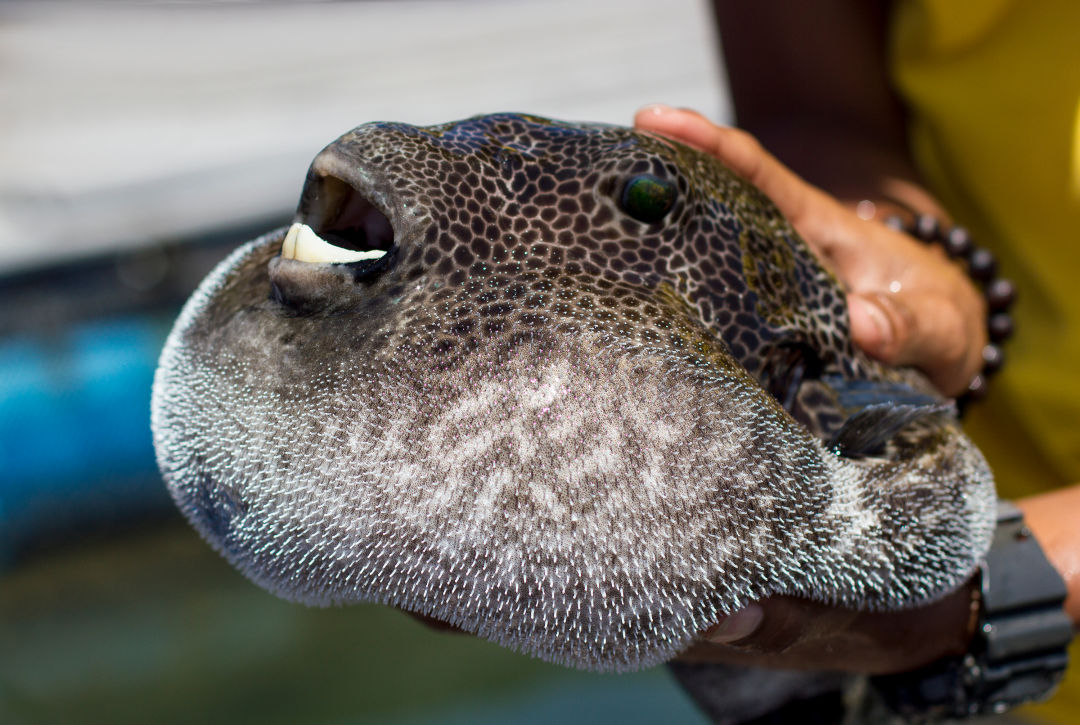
[
  {"x": 909, "y": 305},
  {"x": 792, "y": 633}
]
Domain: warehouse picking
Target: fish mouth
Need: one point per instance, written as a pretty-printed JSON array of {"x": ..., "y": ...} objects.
[{"x": 341, "y": 219}]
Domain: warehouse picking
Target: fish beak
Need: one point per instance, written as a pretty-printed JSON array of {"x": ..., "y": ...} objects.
[{"x": 304, "y": 245}]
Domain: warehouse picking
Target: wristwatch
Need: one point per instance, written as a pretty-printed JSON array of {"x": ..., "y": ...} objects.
[{"x": 1018, "y": 653}]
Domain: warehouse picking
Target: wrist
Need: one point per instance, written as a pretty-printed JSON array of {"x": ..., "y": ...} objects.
[
  {"x": 1018, "y": 654},
  {"x": 846, "y": 162},
  {"x": 794, "y": 633}
]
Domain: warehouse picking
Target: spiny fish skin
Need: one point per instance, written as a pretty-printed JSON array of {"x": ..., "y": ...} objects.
[{"x": 580, "y": 406}]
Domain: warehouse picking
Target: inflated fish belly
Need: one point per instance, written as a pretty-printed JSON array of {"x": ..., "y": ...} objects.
[{"x": 572, "y": 388}]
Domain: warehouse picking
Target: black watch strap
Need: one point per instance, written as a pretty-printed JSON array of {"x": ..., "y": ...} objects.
[{"x": 1018, "y": 653}]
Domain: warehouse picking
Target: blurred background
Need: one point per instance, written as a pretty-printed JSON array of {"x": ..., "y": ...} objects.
[{"x": 139, "y": 143}]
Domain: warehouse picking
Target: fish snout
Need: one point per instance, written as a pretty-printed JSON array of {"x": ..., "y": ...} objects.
[{"x": 347, "y": 232}]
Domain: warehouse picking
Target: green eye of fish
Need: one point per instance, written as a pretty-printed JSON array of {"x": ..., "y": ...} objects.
[{"x": 647, "y": 198}]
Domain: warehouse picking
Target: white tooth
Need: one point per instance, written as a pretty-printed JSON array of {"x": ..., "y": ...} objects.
[
  {"x": 288, "y": 247},
  {"x": 304, "y": 245}
]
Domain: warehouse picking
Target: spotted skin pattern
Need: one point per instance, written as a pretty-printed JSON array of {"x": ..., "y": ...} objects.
[{"x": 575, "y": 433}]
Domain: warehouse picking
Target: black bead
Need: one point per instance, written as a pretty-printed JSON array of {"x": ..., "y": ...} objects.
[
  {"x": 1000, "y": 327},
  {"x": 958, "y": 243},
  {"x": 982, "y": 265},
  {"x": 926, "y": 228},
  {"x": 1000, "y": 294},
  {"x": 993, "y": 359}
]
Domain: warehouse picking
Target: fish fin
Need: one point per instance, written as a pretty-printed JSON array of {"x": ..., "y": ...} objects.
[
  {"x": 866, "y": 432},
  {"x": 786, "y": 368},
  {"x": 857, "y": 394}
]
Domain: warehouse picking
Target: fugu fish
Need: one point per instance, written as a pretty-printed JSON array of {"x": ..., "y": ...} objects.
[{"x": 572, "y": 388}]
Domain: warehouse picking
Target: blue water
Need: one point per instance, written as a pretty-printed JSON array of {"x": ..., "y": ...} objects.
[{"x": 75, "y": 438}]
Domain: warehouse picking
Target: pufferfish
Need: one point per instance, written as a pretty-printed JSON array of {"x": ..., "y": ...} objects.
[{"x": 572, "y": 388}]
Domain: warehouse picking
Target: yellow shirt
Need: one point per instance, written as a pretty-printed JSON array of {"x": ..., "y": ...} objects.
[{"x": 993, "y": 88}]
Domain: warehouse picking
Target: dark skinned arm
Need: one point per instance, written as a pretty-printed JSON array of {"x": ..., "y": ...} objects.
[{"x": 809, "y": 81}]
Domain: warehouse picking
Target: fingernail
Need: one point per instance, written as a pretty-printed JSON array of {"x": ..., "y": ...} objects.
[
  {"x": 737, "y": 625},
  {"x": 656, "y": 109},
  {"x": 865, "y": 310}
]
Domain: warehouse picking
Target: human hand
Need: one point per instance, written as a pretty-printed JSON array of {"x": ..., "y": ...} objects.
[
  {"x": 789, "y": 633},
  {"x": 908, "y": 304}
]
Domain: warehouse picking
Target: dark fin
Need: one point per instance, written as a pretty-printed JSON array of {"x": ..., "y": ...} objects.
[
  {"x": 854, "y": 395},
  {"x": 866, "y": 432},
  {"x": 786, "y": 367}
]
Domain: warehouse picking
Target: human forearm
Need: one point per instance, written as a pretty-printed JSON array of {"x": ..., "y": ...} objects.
[
  {"x": 854, "y": 170},
  {"x": 800, "y": 634},
  {"x": 810, "y": 81}
]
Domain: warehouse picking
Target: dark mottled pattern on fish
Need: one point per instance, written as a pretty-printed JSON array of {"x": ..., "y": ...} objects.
[{"x": 578, "y": 433}]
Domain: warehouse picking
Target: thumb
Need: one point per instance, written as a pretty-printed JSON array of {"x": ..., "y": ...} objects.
[
  {"x": 912, "y": 329},
  {"x": 739, "y": 625},
  {"x": 776, "y": 624}
]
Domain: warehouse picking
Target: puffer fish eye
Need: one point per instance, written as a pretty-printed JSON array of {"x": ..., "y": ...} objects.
[{"x": 647, "y": 198}]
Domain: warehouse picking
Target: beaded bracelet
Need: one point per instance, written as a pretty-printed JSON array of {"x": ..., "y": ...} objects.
[{"x": 981, "y": 266}]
